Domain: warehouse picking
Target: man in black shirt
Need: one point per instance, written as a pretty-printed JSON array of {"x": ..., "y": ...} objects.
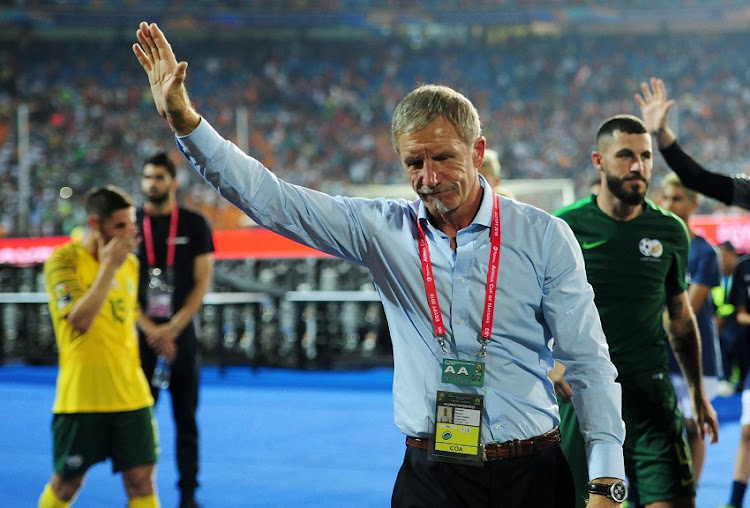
[
  {"x": 176, "y": 266},
  {"x": 730, "y": 190}
]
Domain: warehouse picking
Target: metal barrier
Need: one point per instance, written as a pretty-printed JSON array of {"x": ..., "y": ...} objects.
[
  {"x": 337, "y": 329},
  {"x": 27, "y": 333},
  {"x": 299, "y": 329}
]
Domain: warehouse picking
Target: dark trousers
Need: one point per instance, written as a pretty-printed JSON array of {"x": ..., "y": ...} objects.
[
  {"x": 542, "y": 481},
  {"x": 183, "y": 390}
]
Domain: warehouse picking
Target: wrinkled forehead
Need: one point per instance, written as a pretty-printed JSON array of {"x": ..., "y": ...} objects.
[{"x": 437, "y": 135}]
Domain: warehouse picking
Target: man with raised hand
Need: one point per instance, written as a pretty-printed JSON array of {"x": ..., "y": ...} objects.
[{"x": 474, "y": 286}]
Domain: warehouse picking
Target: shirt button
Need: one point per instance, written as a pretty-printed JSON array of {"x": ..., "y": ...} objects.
[
  {"x": 461, "y": 280},
  {"x": 460, "y": 321}
]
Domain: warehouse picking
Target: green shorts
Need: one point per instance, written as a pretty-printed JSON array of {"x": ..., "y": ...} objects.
[
  {"x": 80, "y": 440},
  {"x": 657, "y": 457}
]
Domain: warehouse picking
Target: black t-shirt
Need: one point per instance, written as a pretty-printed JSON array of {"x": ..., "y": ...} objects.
[{"x": 193, "y": 239}]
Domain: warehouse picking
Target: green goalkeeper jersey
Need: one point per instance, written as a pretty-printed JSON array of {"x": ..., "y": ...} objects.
[{"x": 633, "y": 266}]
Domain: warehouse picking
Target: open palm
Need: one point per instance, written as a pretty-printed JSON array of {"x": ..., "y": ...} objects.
[
  {"x": 654, "y": 105},
  {"x": 165, "y": 75}
]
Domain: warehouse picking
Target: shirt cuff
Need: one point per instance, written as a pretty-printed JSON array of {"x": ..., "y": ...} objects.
[
  {"x": 200, "y": 144},
  {"x": 606, "y": 460}
]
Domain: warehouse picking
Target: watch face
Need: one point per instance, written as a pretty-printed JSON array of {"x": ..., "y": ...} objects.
[{"x": 619, "y": 491}]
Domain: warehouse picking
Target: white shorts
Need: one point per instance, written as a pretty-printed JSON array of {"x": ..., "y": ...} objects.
[{"x": 710, "y": 385}]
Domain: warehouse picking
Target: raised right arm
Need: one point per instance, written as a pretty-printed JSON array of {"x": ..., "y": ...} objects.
[{"x": 655, "y": 108}]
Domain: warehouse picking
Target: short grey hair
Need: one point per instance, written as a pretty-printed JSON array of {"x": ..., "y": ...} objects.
[{"x": 426, "y": 103}]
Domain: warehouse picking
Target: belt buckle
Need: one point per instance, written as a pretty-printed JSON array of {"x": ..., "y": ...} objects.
[{"x": 483, "y": 447}]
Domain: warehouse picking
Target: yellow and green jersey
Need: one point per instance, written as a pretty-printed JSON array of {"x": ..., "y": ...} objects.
[
  {"x": 100, "y": 370},
  {"x": 633, "y": 266}
]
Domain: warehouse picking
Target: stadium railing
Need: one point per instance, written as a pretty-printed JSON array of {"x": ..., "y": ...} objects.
[{"x": 299, "y": 329}]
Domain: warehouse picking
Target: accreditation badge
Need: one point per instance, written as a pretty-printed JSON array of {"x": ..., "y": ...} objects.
[
  {"x": 463, "y": 372},
  {"x": 159, "y": 294},
  {"x": 458, "y": 420}
]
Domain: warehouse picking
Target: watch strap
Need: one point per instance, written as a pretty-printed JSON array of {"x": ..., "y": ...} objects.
[{"x": 616, "y": 491}]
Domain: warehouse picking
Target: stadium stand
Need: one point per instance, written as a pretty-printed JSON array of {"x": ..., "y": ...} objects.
[
  {"x": 318, "y": 86},
  {"x": 321, "y": 107}
]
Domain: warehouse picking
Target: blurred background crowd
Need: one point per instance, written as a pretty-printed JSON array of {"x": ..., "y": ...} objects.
[{"x": 309, "y": 87}]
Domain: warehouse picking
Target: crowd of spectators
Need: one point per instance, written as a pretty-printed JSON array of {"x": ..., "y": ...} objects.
[
  {"x": 319, "y": 110},
  {"x": 337, "y": 6}
]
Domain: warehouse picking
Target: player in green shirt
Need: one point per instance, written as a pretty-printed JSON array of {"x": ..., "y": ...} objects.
[{"x": 636, "y": 257}]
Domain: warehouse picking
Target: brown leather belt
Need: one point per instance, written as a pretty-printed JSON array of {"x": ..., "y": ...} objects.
[{"x": 506, "y": 450}]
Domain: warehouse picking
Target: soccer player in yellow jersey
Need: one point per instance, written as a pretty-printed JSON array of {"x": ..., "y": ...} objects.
[{"x": 103, "y": 406}]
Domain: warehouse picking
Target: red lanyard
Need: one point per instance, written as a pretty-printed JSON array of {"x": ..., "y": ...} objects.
[
  {"x": 149, "y": 239},
  {"x": 490, "y": 288}
]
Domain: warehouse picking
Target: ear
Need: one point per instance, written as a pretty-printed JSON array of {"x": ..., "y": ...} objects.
[
  {"x": 596, "y": 160},
  {"x": 92, "y": 221},
  {"x": 479, "y": 146}
]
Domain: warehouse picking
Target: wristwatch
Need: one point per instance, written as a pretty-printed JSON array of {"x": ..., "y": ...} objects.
[{"x": 617, "y": 491}]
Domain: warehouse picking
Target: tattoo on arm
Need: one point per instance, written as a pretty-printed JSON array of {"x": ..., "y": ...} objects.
[{"x": 685, "y": 340}]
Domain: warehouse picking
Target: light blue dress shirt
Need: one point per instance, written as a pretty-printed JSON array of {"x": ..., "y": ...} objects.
[{"x": 542, "y": 292}]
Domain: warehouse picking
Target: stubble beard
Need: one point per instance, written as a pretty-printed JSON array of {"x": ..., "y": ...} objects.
[
  {"x": 631, "y": 197},
  {"x": 436, "y": 203}
]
